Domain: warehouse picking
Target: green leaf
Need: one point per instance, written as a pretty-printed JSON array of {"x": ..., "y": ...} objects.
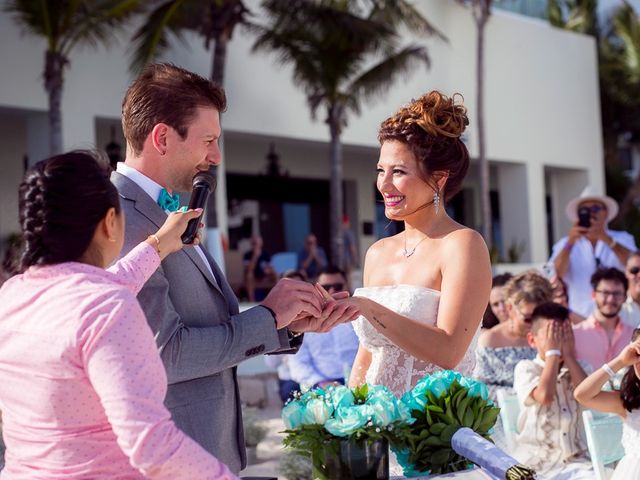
[{"x": 448, "y": 432}]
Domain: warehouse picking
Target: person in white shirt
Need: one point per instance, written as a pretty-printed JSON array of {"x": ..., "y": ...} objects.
[
  {"x": 586, "y": 248},
  {"x": 630, "y": 313}
]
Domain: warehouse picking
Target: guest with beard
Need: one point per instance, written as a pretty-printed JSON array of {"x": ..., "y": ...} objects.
[
  {"x": 630, "y": 313},
  {"x": 602, "y": 336}
]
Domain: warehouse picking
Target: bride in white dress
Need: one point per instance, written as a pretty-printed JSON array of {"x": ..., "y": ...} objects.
[{"x": 427, "y": 287}]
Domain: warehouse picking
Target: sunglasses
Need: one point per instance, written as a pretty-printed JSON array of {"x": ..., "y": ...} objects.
[
  {"x": 594, "y": 208},
  {"x": 634, "y": 270},
  {"x": 335, "y": 286}
]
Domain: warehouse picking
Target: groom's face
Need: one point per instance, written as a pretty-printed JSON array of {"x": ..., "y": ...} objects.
[{"x": 196, "y": 152}]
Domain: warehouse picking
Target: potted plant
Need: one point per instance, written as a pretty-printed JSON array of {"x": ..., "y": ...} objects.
[{"x": 346, "y": 432}]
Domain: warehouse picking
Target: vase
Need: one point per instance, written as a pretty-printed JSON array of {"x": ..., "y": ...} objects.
[{"x": 352, "y": 460}]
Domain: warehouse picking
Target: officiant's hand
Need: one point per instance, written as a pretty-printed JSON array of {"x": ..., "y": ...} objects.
[{"x": 291, "y": 300}]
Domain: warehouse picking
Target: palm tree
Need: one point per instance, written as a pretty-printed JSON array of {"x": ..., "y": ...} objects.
[
  {"x": 213, "y": 20},
  {"x": 342, "y": 52},
  {"x": 481, "y": 10},
  {"x": 65, "y": 24},
  {"x": 618, "y": 42}
]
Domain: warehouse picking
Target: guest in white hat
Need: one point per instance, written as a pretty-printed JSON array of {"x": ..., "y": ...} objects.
[{"x": 587, "y": 248}]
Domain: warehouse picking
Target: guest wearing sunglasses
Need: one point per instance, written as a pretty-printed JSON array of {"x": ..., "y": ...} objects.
[
  {"x": 602, "y": 336},
  {"x": 503, "y": 346},
  {"x": 630, "y": 313},
  {"x": 588, "y": 246},
  {"x": 326, "y": 358}
]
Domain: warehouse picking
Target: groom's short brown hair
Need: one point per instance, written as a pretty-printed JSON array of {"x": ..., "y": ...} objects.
[{"x": 164, "y": 93}]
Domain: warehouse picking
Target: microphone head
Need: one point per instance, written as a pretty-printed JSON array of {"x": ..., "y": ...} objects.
[{"x": 205, "y": 178}]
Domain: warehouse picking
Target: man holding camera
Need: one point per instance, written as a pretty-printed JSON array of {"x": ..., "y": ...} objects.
[{"x": 589, "y": 245}]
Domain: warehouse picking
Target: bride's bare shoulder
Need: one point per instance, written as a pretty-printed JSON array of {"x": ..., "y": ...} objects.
[{"x": 382, "y": 247}]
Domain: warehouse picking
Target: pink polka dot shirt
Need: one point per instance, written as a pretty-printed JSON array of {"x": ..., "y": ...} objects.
[{"x": 81, "y": 382}]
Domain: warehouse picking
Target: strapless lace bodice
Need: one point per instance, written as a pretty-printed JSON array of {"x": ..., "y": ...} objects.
[{"x": 390, "y": 365}]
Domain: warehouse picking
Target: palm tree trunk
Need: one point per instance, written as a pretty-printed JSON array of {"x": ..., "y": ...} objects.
[
  {"x": 53, "y": 84},
  {"x": 481, "y": 14},
  {"x": 335, "y": 206},
  {"x": 217, "y": 75}
]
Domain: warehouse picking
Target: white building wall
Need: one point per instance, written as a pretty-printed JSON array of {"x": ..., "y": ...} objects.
[{"x": 541, "y": 96}]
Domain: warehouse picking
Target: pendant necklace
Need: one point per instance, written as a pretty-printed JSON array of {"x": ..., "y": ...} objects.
[{"x": 408, "y": 253}]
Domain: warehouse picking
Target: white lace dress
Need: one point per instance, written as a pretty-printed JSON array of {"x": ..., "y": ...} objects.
[
  {"x": 390, "y": 365},
  {"x": 629, "y": 466}
]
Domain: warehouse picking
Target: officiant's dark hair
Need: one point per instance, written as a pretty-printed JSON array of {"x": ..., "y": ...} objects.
[{"x": 61, "y": 201}]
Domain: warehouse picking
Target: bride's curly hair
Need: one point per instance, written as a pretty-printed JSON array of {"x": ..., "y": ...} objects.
[
  {"x": 630, "y": 385},
  {"x": 431, "y": 127}
]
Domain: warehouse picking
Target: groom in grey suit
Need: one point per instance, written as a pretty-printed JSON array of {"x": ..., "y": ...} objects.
[{"x": 171, "y": 122}]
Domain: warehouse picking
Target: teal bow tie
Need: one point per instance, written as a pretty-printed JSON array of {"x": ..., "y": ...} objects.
[{"x": 168, "y": 202}]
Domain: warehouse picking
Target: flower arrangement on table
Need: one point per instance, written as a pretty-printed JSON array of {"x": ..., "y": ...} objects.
[
  {"x": 333, "y": 423},
  {"x": 442, "y": 425},
  {"x": 452, "y": 417}
]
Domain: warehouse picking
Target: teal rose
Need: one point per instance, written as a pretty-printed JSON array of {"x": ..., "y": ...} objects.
[
  {"x": 316, "y": 412},
  {"x": 476, "y": 388},
  {"x": 347, "y": 420},
  {"x": 293, "y": 414},
  {"x": 341, "y": 396}
]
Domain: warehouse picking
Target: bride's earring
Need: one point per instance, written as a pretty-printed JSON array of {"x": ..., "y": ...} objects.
[{"x": 436, "y": 201}]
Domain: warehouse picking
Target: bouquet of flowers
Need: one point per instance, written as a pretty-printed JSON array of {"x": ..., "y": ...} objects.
[
  {"x": 441, "y": 405},
  {"x": 328, "y": 424}
]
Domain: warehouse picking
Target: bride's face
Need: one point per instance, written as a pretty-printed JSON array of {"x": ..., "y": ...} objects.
[{"x": 400, "y": 181}]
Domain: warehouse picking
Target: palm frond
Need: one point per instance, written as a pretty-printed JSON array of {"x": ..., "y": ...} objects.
[
  {"x": 627, "y": 27},
  {"x": 152, "y": 38},
  {"x": 379, "y": 78},
  {"x": 401, "y": 12},
  {"x": 99, "y": 23}
]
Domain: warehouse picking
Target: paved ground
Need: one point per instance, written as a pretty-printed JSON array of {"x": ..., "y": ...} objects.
[{"x": 270, "y": 450}]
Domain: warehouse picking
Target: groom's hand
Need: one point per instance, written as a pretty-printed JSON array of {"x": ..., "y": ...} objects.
[
  {"x": 293, "y": 299},
  {"x": 333, "y": 314}
]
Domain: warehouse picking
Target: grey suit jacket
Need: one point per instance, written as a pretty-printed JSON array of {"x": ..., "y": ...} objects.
[{"x": 200, "y": 335}]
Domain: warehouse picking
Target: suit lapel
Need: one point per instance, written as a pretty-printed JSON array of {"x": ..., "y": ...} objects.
[{"x": 144, "y": 204}]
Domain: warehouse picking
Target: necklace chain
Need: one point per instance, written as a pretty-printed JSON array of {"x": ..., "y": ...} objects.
[{"x": 407, "y": 253}]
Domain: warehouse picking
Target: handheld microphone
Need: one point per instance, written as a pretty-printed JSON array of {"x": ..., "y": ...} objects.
[{"x": 203, "y": 184}]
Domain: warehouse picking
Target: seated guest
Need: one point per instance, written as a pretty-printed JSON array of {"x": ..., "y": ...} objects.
[
  {"x": 550, "y": 438},
  {"x": 312, "y": 259},
  {"x": 503, "y": 346},
  {"x": 630, "y": 313},
  {"x": 326, "y": 358},
  {"x": 561, "y": 296},
  {"x": 81, "y": 382},
  {"x": 602, "y": 336},
  {"x": 496, "y": 311},
  {"x": 624, "y": 401},
  {"x": 259, "y": 275}
]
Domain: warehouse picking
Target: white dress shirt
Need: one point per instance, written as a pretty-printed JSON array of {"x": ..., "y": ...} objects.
[
  {"x": 583, "y": 261},
  {"x": 153, "y": 189}
]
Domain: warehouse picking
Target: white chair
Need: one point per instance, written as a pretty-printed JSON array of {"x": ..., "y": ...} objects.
[
  {"x": 604, "y": 435},
  {"x": 283, "y": 261},
  {"x": 509, "y": 410}
]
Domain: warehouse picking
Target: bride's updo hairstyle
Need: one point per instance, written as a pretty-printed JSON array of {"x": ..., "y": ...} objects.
[
  {"x": 61, "y": 201},
  {"x": 431, "y": 127}
]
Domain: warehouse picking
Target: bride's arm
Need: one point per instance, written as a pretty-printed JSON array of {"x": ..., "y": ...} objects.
[
  {"x": 466, "y": 282},
  {"x": 360, "y": 366}
]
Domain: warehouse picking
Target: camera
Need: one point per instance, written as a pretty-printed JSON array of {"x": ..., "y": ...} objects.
[{"x": 584, "y": 217}]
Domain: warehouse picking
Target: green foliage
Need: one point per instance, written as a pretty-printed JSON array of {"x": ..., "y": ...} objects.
[
  {"x": 210, "y": 19},
  {"x": 429, "y": 438},
  {"x": 67, "y": 23},
  {"x": 294, "y": 466}
]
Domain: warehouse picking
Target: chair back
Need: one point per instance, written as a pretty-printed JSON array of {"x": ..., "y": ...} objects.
[
  {"x": 509, "y": 410},
  {"x": 283, "y": 261},
  {"x": 604, "y": 435}
]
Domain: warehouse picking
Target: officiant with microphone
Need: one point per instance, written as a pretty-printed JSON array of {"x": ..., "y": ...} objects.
[{"x": 171, "y": 121}]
